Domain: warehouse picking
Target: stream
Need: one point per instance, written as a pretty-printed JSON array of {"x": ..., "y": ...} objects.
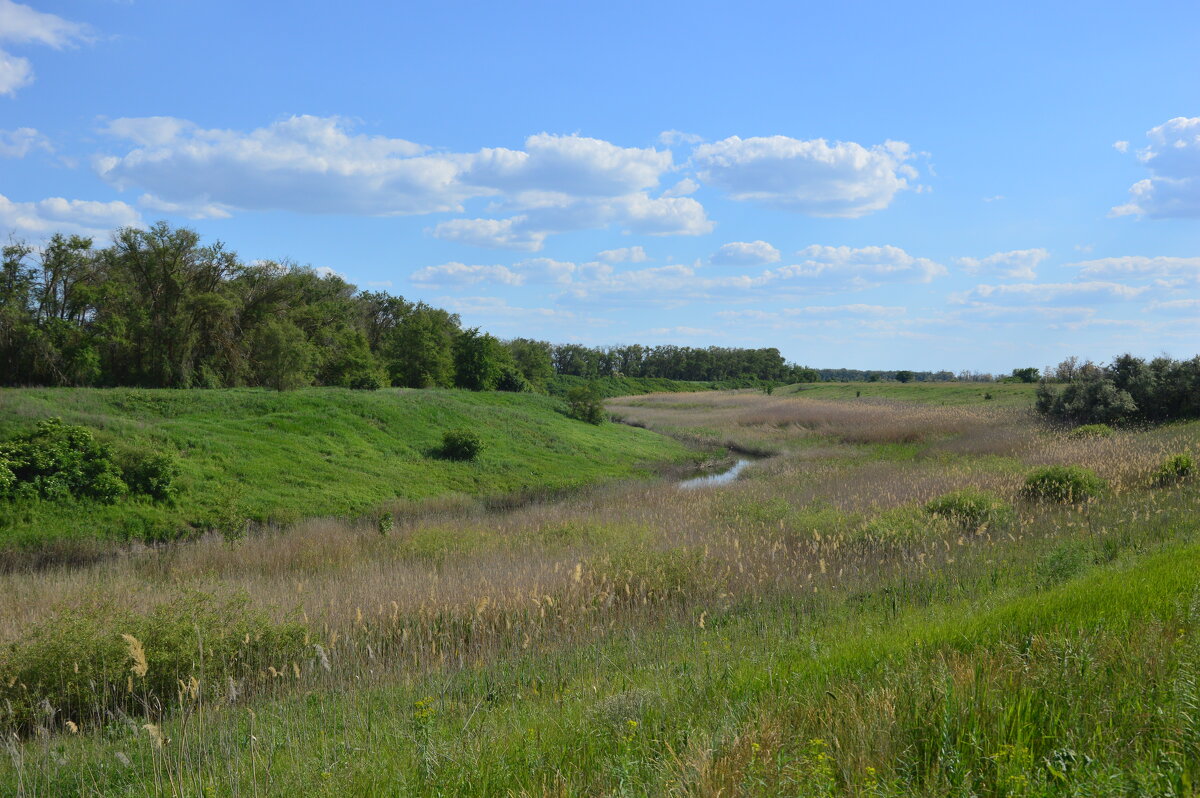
[{"x": 715, "y": 480}]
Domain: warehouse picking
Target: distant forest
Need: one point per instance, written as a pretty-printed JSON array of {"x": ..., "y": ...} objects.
[{"x": 158, "y": 308}]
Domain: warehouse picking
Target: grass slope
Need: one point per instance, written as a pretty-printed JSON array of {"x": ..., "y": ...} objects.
[{"x": 267, "y": 456}]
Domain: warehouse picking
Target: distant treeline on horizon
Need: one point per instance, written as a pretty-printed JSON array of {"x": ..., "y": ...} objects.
[{"x": 159, "y": 309}]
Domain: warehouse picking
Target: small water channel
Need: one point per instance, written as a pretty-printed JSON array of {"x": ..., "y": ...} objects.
[{"x": 715, "y": 480}]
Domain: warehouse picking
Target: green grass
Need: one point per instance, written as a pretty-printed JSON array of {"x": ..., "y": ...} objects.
[
  {"x": 268, "y": 456},
  {"x": 996, "y": 687},
  {"x": 935, "y": 393}
]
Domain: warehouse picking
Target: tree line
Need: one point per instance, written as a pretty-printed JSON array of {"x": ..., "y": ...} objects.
[{"x": 159, "y": 308}]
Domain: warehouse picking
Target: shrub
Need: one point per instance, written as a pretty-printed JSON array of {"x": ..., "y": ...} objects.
[
  {"x": 1175, "y": 468},
  {"x": 1091, "y": 431},
  {"x": 460, "y": 444},
  {"x": 1062, "y": 484},
  {"x": 366, "y": 380},
  {"x": 584, "y": 403},
  {"x": 150, "y": 473},
  {"x": 512, "y": 380},
  {"x": 971, "y": 508},
  {"x": 57, "y": 461}
]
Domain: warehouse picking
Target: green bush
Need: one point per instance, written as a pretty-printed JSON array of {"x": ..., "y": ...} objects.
[
  {"x": 57, "y": 461},
  {"x": 460, "y": 444},
  {"x": 150, "y": 473},
  {"x": 585, "y": 403},
  {"x": 1062, "y": 484},
  {"x": 971, "y": 508},
  {"x": 78, "y": 665},
  {"x": 1091, "y": 431},
  {"x": 512, "y": 380},
  {"x": 1175, "y": 468}
]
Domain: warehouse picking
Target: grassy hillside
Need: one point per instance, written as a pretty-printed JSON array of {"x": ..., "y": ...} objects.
[
  {"x": 268, "y": 456},
  {"x": 609, "y": 387}
]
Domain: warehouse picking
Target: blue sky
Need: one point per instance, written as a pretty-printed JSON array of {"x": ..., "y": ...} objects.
[{"x": 865, "y": 185}]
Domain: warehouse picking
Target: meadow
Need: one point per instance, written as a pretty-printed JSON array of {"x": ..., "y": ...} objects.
[{"x": 815, "y": 628}]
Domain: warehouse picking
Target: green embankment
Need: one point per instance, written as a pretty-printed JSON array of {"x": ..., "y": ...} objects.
[
  {"x": 279, "y": 457},
  {"x": 608, "y": 387}
]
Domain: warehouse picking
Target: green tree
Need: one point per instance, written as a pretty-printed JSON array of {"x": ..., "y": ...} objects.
[{"x": 283, "y": 357}]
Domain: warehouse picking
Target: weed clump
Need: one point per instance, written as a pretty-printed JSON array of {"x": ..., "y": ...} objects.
[
  {"x": 460, "y": 444},
  {"x": 1067, "y": 484},
  {"x": 971, "y": 508},
  {"x": 1175, "y": 468},
  {"x": 1090, "y": 431}
]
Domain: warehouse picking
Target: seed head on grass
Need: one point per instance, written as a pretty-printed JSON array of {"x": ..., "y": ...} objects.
[{"x": 138, "y": 654}]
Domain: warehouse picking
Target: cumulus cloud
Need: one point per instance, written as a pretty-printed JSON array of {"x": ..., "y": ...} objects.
[
  {"x": 20, "y": 24},
  {"x": 22, "y": 141},
  {"x": 59, "y": 215},
  {"x": 843, "y": 179},
  {"x": 1090, "y": 292},
  {"x": 1173, "y": 159},
  {"x": 315, "y": 164},
  {"x": 622, "y": 255},
  {"x": 745, "y": 253},
  {"x": 304, "y": 163},
  {"x": 571, "y": 165},
  {"x": 455, "y": 273},
  {"x": 1019, "y": 264}
]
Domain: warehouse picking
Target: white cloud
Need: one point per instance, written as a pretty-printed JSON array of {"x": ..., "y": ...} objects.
[
  {"x": 493, "y": 233},
  {"x": 821, "y": 270},
  {"x": 1173, "y": 158},
  {"x": 571, "y": 165},
  {"x": 1182, "y": 307},
  {"x": 1051, "y": 293},
  {"x": 1121, "y": 146},
  {"x": 635, "y": 213},
  {"x": 304, "y": 163},
  {"x": 745, "y": 253},
  {"x": 455, "y": 273},
  {"x": 876, "y": 311},
  {"x": 59, "y": 215},
  {"x": 859, "y": 268},
  {"x": 844, "y": 179},
  {"x": 670, "y": 138},
  {"x": 21, "y": 24},
  {"x": 318, "y": 165},
  {"x": 622, "y": 255},
  {"x": 1139, "y": 266},
  {"x": 190, "y": 210},
  {"x": 1019, "y": 264},
  {"x": 20, "y": 142},
  {"x": 15, "y": 73},
  {"x": 683, "y": 188}
]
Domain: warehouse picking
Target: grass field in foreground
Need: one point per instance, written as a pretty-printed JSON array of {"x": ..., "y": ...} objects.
[{"x": 280, "y": 457}]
